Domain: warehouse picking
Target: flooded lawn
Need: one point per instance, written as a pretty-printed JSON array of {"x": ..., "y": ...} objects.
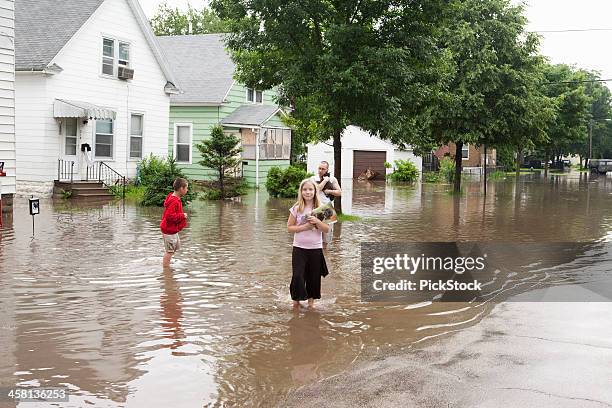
[{"x": 87, "y": 305}]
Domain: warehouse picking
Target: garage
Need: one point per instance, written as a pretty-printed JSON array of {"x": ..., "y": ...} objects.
[{"x": 375, "y": 160}]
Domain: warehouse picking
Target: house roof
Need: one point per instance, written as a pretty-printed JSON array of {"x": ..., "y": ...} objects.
[
  {"x": 251, "y": 115},
  {"x": 43, "y": 27},
  {"x": 203, "y": 67}
]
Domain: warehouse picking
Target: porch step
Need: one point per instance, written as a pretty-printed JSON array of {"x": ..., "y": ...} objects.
[{"x": 84, "y": 190}]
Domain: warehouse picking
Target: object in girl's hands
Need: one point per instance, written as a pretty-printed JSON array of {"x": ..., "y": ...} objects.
[{"x": 325, "y": 213}]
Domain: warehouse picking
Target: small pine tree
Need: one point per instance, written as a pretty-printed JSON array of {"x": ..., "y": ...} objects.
[{"x": 220, "y": 152}]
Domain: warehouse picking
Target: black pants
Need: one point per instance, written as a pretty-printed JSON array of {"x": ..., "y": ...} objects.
[{"x": 308, "y": 267}]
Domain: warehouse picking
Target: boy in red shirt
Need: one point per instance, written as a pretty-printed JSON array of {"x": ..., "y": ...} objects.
[{"x": 174, "y": 219}]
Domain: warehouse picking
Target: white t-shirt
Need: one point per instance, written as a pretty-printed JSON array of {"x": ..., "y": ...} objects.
[{"x": 332, "y": 184}]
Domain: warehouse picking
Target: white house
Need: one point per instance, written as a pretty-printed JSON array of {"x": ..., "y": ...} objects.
[
  {"x": 7, "y": 102},
  {"x": 76, "y": 102},
  {"x": 360, "y": 150}
]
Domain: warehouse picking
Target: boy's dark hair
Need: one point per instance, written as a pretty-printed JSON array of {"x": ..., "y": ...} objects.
[{"x": 178, "y": 183}]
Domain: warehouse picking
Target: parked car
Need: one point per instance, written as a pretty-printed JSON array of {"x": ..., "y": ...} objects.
[{"x": 600, "y": 166}]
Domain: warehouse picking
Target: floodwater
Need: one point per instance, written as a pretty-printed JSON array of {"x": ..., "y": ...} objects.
[{"x": 87, "y": 305}]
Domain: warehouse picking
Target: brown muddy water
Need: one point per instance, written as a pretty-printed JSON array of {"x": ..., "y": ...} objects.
[{"x": 87, "y": 305}]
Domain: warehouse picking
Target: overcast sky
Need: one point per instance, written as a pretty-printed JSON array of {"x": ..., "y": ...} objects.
[{"x": 590, "y": 50}]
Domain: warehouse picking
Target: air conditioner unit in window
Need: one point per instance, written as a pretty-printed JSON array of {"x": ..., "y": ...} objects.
[{"x": 125, "y": 73}]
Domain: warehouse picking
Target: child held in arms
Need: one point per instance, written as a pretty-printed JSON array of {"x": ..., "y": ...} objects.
[{"x": 174, "y": 219}]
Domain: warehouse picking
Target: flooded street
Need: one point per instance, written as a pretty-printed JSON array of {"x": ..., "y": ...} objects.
[{"x": 87, "y": 305}]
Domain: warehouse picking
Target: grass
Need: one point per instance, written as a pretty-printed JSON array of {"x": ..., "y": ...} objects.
[
  {"x": 348, "y": 218},
  {"x": 132, "y": 193}
]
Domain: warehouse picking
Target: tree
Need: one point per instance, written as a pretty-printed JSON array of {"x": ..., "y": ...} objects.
[
  {"x": 220, "y": 152},
  {"x": 489, "y": 96},
  {"x": 369, "y": 63},
  {"x": 565, "y": 85},
  {"x": 173, "y": 21}
]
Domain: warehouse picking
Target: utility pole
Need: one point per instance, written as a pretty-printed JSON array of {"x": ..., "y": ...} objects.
[{"x": 590, "y": 142}]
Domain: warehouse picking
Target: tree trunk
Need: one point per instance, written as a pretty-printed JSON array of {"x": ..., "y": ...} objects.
[
  {"x": 221, "y": 183},
  {"x": 580, "y": 164},
  {"x": 546, "y": 163},
  {"x": 518, "y": 162},
  {"x": 458, "y": 163},
  {"x": 338, "y": 166},
  {"x": 485, "y": 169}
]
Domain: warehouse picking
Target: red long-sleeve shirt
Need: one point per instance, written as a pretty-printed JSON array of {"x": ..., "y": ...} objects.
[{"x": 173, "y": 219}]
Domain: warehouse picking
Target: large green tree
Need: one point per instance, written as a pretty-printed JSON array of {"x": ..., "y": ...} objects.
[
  {"x": 174, "y": 21},
  {"x": 370, "y": 63},
  {"x": 566, "y": 86},
  {"x": 490, "y": 96}
]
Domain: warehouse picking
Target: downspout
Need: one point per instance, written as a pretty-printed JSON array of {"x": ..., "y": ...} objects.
[
  {"x": 257, "y": 157},
  {"x": 128, "y": 127}
]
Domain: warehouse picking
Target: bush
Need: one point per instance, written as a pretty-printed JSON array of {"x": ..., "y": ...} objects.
[
  {"x": 405, "y": 170},
  {"x": 447, "y": 169},
  {"x": 149, "y": 168},
  {"x": 285, "y": 183},
  {"x": 158, "y": 178},
  {"x": 431, "y": 177}
]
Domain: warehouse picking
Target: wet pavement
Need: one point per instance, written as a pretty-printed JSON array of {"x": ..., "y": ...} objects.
[{"x": 87, "y": 305}]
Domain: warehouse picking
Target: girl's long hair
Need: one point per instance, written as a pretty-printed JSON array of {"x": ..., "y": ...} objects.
[{"x": 300, "y": 204}]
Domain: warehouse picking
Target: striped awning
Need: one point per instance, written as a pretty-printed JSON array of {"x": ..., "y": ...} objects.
[{"x": 63, "y": 108}]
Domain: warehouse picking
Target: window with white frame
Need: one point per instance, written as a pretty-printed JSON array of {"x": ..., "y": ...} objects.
[
  {"x": 104, "y": 138},
  {"x": 70, "y": 136},
  {"x": 114, "y": 53},
  {"x": 254, "y": 95},
  {"x": 136, "y": 133},
  {"x": 465, "y": 152},
  {"x": 182, "y": 142}
]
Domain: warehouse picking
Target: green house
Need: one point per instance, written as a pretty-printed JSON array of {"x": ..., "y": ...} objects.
[{"x": 211, "y": 96}]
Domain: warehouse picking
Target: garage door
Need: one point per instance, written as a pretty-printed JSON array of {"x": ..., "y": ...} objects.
[{"x": 362, "y": 159}]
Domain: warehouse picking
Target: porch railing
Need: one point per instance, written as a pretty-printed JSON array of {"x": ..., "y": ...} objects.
[
  {"x": 65, "y": 170},
  {"x": 109, "y": 177}
]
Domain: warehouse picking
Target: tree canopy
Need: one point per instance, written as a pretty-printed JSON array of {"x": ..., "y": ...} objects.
[{"x": 173, "y": 21}]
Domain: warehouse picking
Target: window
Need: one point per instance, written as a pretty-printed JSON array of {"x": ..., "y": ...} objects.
[
  {"x": 182, "y": 142},
  {"x": 114, "y": 53},
  {"x": 71, "y": 129},
  {"x": 108, "y": 56},
  {"x": 104, "y": 138},
  {"x": 275, "y": 143},
  {"x": 254, "y": 96},
  {"x": 465, "y": 152},
  {"x": 136, "y": 130}
]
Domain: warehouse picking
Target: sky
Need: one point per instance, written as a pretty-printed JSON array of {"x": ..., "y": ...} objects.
[{"x": 589, "y": 50}]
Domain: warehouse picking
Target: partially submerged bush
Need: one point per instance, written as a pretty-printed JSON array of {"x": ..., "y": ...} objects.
[
  {"x": 157, "y": 179},
  {"x": 447, "y": 169},
  {"x": 405, "y": 170},
  {"x": 285, "y": 183}
]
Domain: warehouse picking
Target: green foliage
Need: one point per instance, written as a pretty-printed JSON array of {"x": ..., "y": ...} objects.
[
  {"x": 496, "y": 175},
  {"x": 405, "y": 170},
  {"x": 148, "y": 169},
  {"x": 159, "y": 182},
  {"x": 447, "y": 169},
  {"x": 133, "y": 193},
  {"x": 173, "y": 21},
  {"x": 505, "y": 157},
  {"x": 348, "y": 218},
  {"x": 285, "y": 183},
  {"x": 220, "y": 152},
  {"x": 388, "y": 165},
  {"x": 234, "y": 188},
  {"x": 431, "y": 177},
  {"x": 66, "y": 194}
]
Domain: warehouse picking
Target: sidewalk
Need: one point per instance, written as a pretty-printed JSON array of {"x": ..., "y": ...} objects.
[{"x": 521, "y": 355}]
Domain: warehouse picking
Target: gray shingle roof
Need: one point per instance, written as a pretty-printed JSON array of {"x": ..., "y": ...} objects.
[
  {"x": 254, "y": 115},
  {"x": 43, "y": 27},
  {"x": 202, "y": 66}
]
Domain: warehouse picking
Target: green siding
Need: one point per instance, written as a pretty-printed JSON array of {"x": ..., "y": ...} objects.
[
  {"x": 203, "y": 118},
  {"x": 249, "y": 170}
]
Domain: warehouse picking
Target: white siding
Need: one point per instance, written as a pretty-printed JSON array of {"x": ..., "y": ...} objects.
[
  {"x": 81, "y": 80},
  {"x": 355, "y": 138},
  {"x": 7, "y": 99}
]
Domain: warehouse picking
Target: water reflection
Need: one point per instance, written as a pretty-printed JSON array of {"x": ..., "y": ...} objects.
[{"x": 87, "y": 304}]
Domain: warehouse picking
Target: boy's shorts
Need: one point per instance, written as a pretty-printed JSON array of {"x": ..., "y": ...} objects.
[{"x": 172, "y": 242}]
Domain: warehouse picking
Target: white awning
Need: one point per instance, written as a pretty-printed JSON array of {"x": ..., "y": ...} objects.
[{"x": 63, "y": 108}]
